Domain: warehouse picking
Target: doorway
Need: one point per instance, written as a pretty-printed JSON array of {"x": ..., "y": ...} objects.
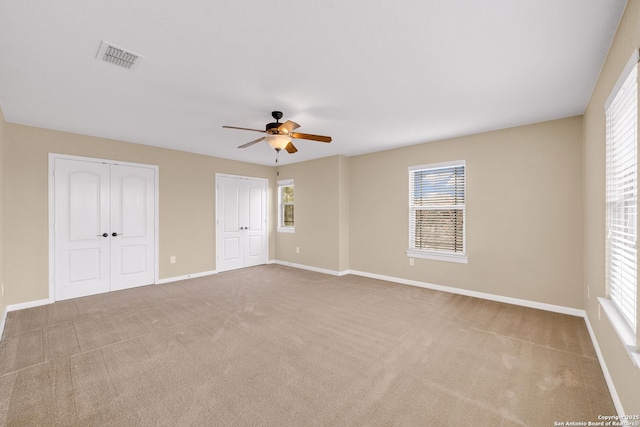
[
  {"x": 241, "y": 222},
  {"x": 103, "y": 217}
]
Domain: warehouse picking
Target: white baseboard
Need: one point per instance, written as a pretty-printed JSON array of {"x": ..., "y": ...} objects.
[
  {"x": 612, "y": 389},
  {"x": 30, "y": 304},
  {"x": 492, "y": 297},
  {"x": 2, "y": 322},
  {"x": 14, "y": 307},
  {"x": 186, "y": 276},
  {"x": 448, "y": 289},
  {"x": 310, "y": 268}
]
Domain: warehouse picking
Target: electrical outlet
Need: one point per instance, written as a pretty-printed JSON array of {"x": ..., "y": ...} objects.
[
  {"x": 297, "y": 249},
  {"x": 411, "y": 261},
  {"x": 588, "y": 293},
  {"x": 172, "y": 260}
]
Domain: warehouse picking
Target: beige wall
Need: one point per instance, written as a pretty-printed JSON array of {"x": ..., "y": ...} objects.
[
  {"x": 3, "y": 303},
  {"x": 626, "y": 377},
  {"x": 524, "y": 232},
  {"x": 186, "y": 202},
  {"x": 343, "y": 213},
  {"x": 351, "y": 213},
  {"x": 319, "y": 214},
  {"x": 524, "y": 222}
]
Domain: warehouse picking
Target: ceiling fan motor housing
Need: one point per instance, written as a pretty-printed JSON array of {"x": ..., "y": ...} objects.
[{"x": 272, "y": 128}]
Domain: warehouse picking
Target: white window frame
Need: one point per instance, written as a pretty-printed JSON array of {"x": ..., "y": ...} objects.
[
  {"x": 612, "y": 305},
  {"x": 432, "y": 254},
  {"x": 281, "y": 228}
]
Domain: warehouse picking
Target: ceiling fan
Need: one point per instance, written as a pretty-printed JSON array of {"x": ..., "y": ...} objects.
[{"x": 279, "y": 134}]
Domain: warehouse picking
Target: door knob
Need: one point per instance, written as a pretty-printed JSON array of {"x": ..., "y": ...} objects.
[
  {"x": 104, "y": 235},
  {"x": 114, "y": 234}
]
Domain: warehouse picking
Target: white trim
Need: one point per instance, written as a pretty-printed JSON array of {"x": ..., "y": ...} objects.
[
  {"x": 52, "y": 246},
  {"x": 492, "y": 297},
  {"x": 29, "y": 304},
  {"x": 440, "y": 165},
  {"x": 51, "y": 202},
  {"x": 286, "y": 229},
  {"x": 285, "y": 182},
  {"x": 239, "y": 176},
  {"x": 279, "y": 184},
  {"x": 310, "y": 268},
  {"x": 185, "y": 277},
  {"x": 2, "y": 322},
  {"x": 21, "y": 306},
  {"x": 156, "y": 261},
  {"x": 438, "y": 256},
  {"x": 624, "y": 332},
  {"x": 605, "y": 371},
  {"x": 635, "y": 58}
]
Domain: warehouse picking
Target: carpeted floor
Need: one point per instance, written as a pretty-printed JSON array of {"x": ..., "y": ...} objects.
[{"x": 277, "y": 346}]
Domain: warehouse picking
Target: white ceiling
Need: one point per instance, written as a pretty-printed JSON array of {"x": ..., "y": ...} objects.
[{"x": 373, "y": 74}]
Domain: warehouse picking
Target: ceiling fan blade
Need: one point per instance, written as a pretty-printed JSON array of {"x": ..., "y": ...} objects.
[
  {"x": 290, "y": 148},
  {"x": 234, "y": 127},
  {"x": 248, "y": 144},
  {"x": 309, "y": 136},
  {"x": 289, "y": 126}
]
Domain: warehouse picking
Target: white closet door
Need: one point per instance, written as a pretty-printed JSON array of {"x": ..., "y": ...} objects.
[
  {"x": 241, "y": 223},
  {"x": 230, "y": 242},
  {"x": 256, "y": 250},
  {"x": 104, "y": 227},
  {"x": 132, "y": 226},
  {"x": 82, "y": 218}
]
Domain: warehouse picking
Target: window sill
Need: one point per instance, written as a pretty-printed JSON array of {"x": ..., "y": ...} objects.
[
  {"x": 623, "y": 330},
  {"x": 438, "y": 256},
  {"x": 286, "y": 230}
]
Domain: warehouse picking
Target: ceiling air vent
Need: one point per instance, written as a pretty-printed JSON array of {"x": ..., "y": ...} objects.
[{"x": 118, "y": 56}]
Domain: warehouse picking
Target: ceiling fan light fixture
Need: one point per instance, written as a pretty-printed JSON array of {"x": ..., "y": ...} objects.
[{"x": 278, "y": 142}]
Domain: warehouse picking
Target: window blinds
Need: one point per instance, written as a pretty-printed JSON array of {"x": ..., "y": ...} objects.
[
  {"x": 621, "y": 197},
  {"x": 437, "y": 208}
]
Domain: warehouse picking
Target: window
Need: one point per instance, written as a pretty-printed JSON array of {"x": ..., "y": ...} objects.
[
  {"x": 285, "y": 206},
  {"x": 622, "y": 196},
  {"x": 437, "y": 211},
  {"x": 621, "y": 182}
]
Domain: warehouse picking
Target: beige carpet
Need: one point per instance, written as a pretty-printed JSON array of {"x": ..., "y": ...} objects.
[{"x": 277, "y": 346}]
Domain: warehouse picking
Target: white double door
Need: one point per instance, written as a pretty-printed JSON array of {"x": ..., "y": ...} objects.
[
  {"x": 241, "y": 222},
  {"x": 104, "y": 227}
]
